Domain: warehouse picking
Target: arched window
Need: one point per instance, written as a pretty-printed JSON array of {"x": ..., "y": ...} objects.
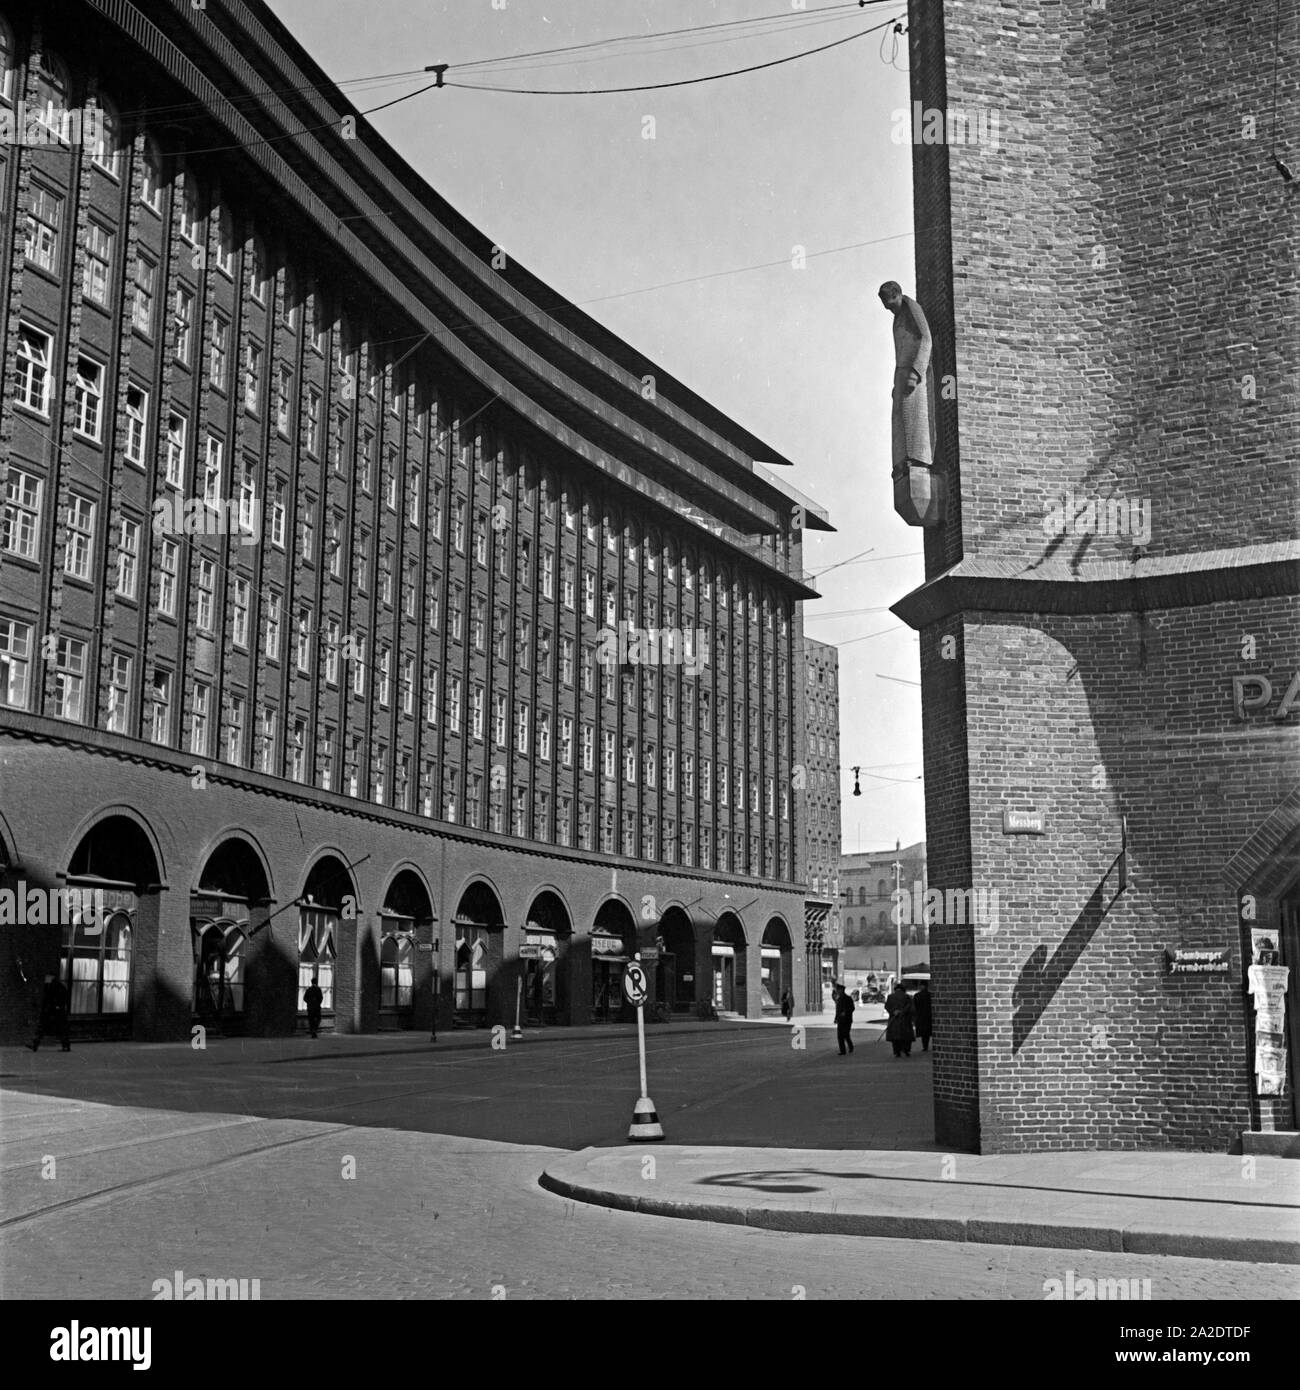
[
  {"x": 396, "y": 969},
  {"x": 257, "y": 272},
  {"x": 7, "y": 62},
  {"x": 52, "y": 97},
  {"x": 862, "y": 896},
  {"x": 96, "y": 964},
  {"x": 107, "y": 136},
  {"x": 881, "y": 920},
  {"x": 316, "y": 953},
  {"x": 881, "y": 888}
]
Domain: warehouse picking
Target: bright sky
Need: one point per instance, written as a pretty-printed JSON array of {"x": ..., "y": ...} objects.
[{"x": 740, "y": 173}]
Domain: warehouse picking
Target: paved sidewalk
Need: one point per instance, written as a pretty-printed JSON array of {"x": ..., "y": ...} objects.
[{"x": 1213, "y": 1206}]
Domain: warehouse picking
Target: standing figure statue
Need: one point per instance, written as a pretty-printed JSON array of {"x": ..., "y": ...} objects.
[{"x": 911, "y": 417}]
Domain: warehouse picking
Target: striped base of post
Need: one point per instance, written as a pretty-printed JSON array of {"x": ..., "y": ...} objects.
[{"x": 645, "y": 1122}]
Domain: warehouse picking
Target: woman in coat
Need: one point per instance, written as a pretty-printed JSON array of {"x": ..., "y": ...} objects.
[{"x": 899, "y": 1028}]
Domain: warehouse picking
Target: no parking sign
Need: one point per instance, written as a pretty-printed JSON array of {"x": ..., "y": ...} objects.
[{"x": 636, "y": 987}]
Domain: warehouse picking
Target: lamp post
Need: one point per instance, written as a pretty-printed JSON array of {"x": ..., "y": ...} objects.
[{"x": 898, "y": 916}]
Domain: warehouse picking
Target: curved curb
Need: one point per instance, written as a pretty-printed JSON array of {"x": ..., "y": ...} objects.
[{"x": 1131, "y": 1240}]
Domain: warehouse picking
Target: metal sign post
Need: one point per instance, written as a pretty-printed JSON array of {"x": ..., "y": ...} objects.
[
  {"x": 636, "y": 988},
  {"x": 518, "y": 1034}
]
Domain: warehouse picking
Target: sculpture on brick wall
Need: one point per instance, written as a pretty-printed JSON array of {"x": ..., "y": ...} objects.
[
  {"x": 911, "y": 363},
  {"x": 918, "y": 492}
]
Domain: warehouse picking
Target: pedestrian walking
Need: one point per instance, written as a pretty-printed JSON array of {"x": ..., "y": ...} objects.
[
  {"x": 843, "y": 1018},
  {"x": 312, "y": 997},
  {"x": 787, "y": 1005},
  {"x": 921, "y": 1014},
  {"x": 899, "y": 1028},
  {"x": 54, "y": 1014}
]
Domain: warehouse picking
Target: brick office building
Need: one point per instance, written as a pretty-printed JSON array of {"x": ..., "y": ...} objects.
[
  {"x": 1106, "y": 252},
  {"x": 823, "y": 933},
  {"x": 344, "y": 706},
  {"x": 867, "y": 884}
]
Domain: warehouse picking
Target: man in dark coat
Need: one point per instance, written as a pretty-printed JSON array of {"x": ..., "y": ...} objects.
[
  {"x": 921, "y": 1014},
  {"x": 54, "y": 1014},
  {"x": 843, "y": 1018},
  {"x": 899, "y": 1028},
  {"x": 312, "y": 997}
]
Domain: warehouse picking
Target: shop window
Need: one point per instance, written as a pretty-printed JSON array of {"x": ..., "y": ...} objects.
[
  {"x": 96, "y": 965},
  {"x": 316, "y": 954}
]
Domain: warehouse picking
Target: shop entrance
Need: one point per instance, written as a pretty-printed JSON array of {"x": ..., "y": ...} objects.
[{"x": 613, "y": 944}]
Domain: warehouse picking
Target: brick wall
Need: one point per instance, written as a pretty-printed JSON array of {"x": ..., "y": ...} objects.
[{"x": 1110, "y": 277}]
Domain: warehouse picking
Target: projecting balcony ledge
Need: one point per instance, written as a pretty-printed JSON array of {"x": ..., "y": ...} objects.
[{"x": 1002, "y": 585}]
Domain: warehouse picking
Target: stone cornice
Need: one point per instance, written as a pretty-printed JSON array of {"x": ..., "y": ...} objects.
[{"x": 979, "y": 584}]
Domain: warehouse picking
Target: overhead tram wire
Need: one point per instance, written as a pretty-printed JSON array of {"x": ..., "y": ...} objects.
[
  {"x": 801, "y": 18},
  {"x": 663, "y": 86}
]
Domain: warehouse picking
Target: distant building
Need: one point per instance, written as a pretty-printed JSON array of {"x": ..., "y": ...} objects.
[
  {"x": 823, "y": 936},
  {"x": 867, "y": 883}
]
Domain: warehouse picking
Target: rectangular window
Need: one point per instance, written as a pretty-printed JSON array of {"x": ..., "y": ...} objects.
[
  {"x": 357, "y": 656},
  {"x": 218, "y": 366},
  {"x": 328, "y": 741},
  {"x": 20, "y": 521},
  {"x": 544, "y": 737},
  {"x": 478, "y": 623},
  {"x": 413, "y": 485},
  {"x": 88, "y": 398},
  {"x": 588, "y": 748},
  {"x": 191, "y": 221},
  {"x": 128, "y": 558},
  {"x": 519, "y": 812},
  {"x": 252, "y": 378},
  {"x": 168, "y": 553},
  {"x": 589, "y": 593},
  {"x": 352, "y": 768},
  {"x": 266, "y": 740},
  {"x": 298, "y": 751},
  {"x": 137, "y": 422},
  {"x": 183, "y": 322},
  {"x": 283, "y": 399},
  {"x": 279, "y": 514},
  {"x": 477, "y": 712},
  {"x": 97, "y": 273},
  {"x": 119, "y": 692},
  {"x": 385, "y": 685},
  {"x": 15, "y": 662},
  {"x": 239, "y": 624},
  {"x": 160, "y": 719},
  {"x": 386, "y": 558},
  {"x": 670, "y": 770},
  {"x": 548, "y": 574},
  {"x": 586, "y": 812},
  {"x": 521, "y": 728},
  {"x": 213, "y": 468},
  {"x": 453, "y": 705},
  {"x": 304, "y": 641},
  {"x": 146, "y": 282},
  {"x": 458, "y": 526},
  {"x": 69, "y": 679},
  {"x": 361, "y": 563},
  {"x": 608, "y": 753},
  {"x": 44, "y": 220},
  {"x": 499, "y": 730},
  {"x": 333, "y": 634},
  {"x": 271, "y": 646},
  {"x": 311, "y": 422},
  {"x": 34, "y": 369},
  {"x": 568, "y": 584},
  {"x": 81, "y": 537},
  {"x": 566, "y": 741},
  {"x": 480, "y": 538},
  {"x": 456, "y": 611},
  {"x": 566, "y": 660},
  {"x": 199, "y": 719},
  {"x": 235, "y": 730},
  {"x": 651, "y": 764}
]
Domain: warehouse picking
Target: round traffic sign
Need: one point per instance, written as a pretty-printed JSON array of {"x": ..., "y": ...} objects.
[{"x": 635, "y": 985}]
